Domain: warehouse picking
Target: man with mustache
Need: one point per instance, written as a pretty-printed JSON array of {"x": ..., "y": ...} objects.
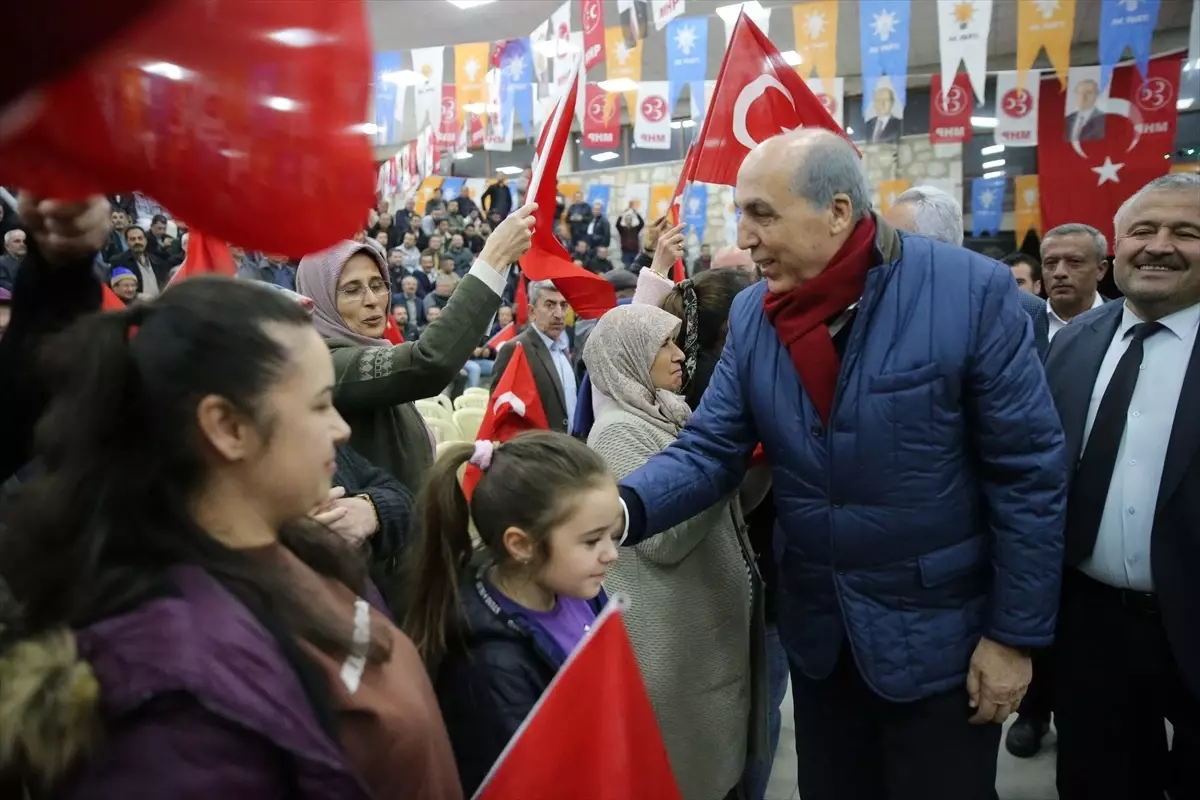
[
  {"x": 151, "y": 271},
  {"x": 1125, "y": 378}
]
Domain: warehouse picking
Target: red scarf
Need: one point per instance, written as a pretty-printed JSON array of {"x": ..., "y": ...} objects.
[{"x": 800, "y": 316}]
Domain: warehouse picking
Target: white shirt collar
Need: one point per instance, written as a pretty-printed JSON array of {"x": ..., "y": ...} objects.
[
  {"x": 1179, "y": 323},
  {"x": 560, "y": 344},
  {"x": 1097, "y": 301}
]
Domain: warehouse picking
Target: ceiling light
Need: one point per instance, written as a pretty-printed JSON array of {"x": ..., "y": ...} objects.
[
  {"x": 983, "y": 122},
  {"x": 730, "y": 12},
  {"x": 369, "y": 128},
  {"x": 298, "y": 37},
  {"x": 619, "y": 85},
  {"x": 992, "y": 150},
  {"x": 547, "y": 47},
  {"x": 281, "y": 103},
  {"x": 997, "y": 174},
  {"x": 602, "y": 157},
  {"x": 465, "y": 4},
  {"x": 849, "y": 130},
  {"x": 509, "y": 170},
  {"x": 404, "y": 77},
  {"x": 462, "y": 155},
  {"x": 999, "y": 162},
  {"x": 165, "y": 69},
  {"x": 792, "y": 58},
  {"x": 1184, "y": 103},
  {"x": 683, "y": 123},
  {"x": 475, "y": 108}
]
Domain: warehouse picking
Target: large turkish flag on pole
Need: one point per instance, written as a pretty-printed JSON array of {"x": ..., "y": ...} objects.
[
  {"x": 756, "y": 97},
  {"x": 589, "y": 294},
  {"x": 618, "y": 754},
  {"x": 1086, "y": 181}
]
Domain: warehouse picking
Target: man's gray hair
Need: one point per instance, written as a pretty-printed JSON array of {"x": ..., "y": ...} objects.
[
  {"x": 830, "y": 167},
  {"x": 537, "y": 287},
  {"x": 1099, "y": 243},
  {"x": 1172, "y": 181},
  {"x": 935, "y": 214},
  {"x": 10, "y": 235},
  {"x": 446, "y": 279}
]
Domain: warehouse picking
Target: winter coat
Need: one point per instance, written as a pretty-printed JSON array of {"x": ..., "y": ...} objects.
[
  {"x": 929, "y": 511},
  {"x": 492, "y": 675}
]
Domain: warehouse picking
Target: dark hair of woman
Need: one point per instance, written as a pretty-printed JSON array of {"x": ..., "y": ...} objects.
[
  {"x": 121, "y": 454},
  {"x": 529, "y": 485},
  {"x": 713, "y": 290}
]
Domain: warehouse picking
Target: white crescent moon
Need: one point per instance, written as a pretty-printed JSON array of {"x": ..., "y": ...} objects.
[
  {"x": 741, "y": 107},
  {"x": 1117, "y": 107}
]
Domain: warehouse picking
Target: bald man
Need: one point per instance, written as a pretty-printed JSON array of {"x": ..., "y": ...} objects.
[{"x": 918, "y": 470}]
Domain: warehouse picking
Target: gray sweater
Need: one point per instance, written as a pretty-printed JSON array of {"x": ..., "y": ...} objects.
[{"x": 689, "y": 620}]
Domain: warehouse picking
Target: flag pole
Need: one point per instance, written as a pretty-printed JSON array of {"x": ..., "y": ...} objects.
[{"x": 539, "y": 164}]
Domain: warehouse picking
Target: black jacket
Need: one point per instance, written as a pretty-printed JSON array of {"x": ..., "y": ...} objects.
[
  {"x": 497, "y": 199},
  {"x": 495, "y": 670},
  {"x": 45, "y": 301},
  {"x": 394, "y": 506},
  {"x": 601, "y": 232},
  {"x": 162, "y": 270}
]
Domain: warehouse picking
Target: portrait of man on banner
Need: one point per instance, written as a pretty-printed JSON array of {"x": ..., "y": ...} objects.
[
  {"x": 887, "y": 115},
  {"x": 1085, "y": 106}
]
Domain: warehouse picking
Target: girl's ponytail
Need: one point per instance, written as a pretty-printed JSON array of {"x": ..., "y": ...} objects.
[{"x": 442, "y": 552}]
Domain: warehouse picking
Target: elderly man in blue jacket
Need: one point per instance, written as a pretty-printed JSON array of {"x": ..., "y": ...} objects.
[{"x": 919, "y": 478}]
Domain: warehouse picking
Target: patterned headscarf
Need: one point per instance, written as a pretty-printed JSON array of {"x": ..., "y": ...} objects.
[
  {"x": 619, "y": 354},
  {"x": 317, "y": 278}
]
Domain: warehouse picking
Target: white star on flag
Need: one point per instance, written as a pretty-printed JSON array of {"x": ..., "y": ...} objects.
[
  {"x": 816, "y": 24},
  {"x": 1107, "y": 172},
  {"x": 1047, "y": 8},
  {"x": 987, "y": 198},
  {"x": 471, "y": 68},
  {"x": 515, "y": 66},
  {"x": 884, "y": 23},
  {"x": 685, "y": 40}
]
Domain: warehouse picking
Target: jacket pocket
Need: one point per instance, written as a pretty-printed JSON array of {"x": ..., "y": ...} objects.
[
  {"x": 909, "y": 379},
  {"x": 951, "y": 562}
]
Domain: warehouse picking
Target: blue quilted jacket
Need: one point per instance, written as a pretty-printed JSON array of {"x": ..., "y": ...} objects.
[{"x": 930, "y": 511}]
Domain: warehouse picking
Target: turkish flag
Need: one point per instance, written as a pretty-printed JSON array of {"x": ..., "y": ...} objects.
[
  {"x": 589, "y": 294},
  {"x": 756, "y": 97},
  {"x": 391, "y": 331},
  {"x": 1086, "y": 181},
  {"x": 205, "y": 256},
  {"x": 109, "y": 300},
  {"x": 619, "y": 754},
  {"x": 521, "y": 301},
  {"x": 505, "y": 334},
  {"x": 515, "y": 407},
  {"x": 679, "y": 271}
]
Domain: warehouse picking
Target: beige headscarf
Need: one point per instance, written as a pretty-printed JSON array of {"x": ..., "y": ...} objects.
[
  {"x": 619, "y": 354},
  {"x": 317, "y": 278}
]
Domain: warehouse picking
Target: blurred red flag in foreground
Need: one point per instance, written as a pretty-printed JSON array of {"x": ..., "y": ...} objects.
[
  {"x": 589, "y": 294},
  {"x": 244, "y": 118},
  {"x": 205, "y": 256},
  {"x": 515, "y": 407},
  {"x": 617, "y": 755}
]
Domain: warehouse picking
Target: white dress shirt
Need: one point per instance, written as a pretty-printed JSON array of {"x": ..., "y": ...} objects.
[
  {"x": 1121, "y": 557},
  {"x": 1057, "y": 323},
  {"x": 559, "y": 349}
]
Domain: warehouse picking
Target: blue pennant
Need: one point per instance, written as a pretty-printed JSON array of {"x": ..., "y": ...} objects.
[
  {"x": 987, "y": 204},
  {"x": 516, "y": 82},
  {"x": 600, "y": 192},
  {"x": 687, "y": 56},
  {"x": 883, "y": 35},
  {"x": 695, "y": 209},
  {"x": 1126, "y": 23},
  {"x": 386, "y": 93}
]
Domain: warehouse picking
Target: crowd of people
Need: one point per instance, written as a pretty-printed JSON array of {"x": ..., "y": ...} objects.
[{"x": 929, "y": 488}]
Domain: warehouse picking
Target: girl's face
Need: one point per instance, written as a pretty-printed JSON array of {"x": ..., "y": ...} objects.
[
  {"x": 584, "y": 545},
  {"x": 666, "y": 372}
]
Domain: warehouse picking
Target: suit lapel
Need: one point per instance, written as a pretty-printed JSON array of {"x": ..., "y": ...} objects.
[
  {"x": 1077, "y": 377},
  {"x": 547, "y": 364},
  {"x": 1185, "y": 431}
]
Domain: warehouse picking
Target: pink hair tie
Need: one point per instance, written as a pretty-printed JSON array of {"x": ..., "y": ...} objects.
[{"x": 482, "y": 457}]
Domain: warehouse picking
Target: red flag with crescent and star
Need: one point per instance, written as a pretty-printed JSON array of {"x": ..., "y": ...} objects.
[
  {"x": 1086, "y": 180},
  {"x": 756, "y": 97},
  {"x": 679, "y": 271}
]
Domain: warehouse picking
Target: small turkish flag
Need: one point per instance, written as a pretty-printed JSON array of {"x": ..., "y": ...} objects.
[
  {"x": 619, "y": 754},
  {"x": 109, "y": 300},
  {"x": 205, "y": 256},
  {"x": 1084, "y": 177},
  {"x": 589, "y": 294},
  {"x": 505, "y": 334},
  {"x": 679, "y": 271},
  {"x": 391, "y": 331},
  {"x": 515, "y": 406},
  {"x": 756, "y": 97}
]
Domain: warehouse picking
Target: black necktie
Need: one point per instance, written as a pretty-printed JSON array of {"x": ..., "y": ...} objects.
[{"x": 1090, "y": 490}]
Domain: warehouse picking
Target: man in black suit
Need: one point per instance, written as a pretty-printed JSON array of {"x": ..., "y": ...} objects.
[
  {"x": 883, "y": 127},
  {"x": 547, "y": 347},
  {"x": 1125, "y": 378},
  {"x": 152, "y": 272},
  {"x": 1027, "y": 272},
  {"x": 1086, "y": 122}
]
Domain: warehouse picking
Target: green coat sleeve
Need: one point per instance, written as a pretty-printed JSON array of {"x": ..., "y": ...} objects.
[{"x": 370, "y": 377}]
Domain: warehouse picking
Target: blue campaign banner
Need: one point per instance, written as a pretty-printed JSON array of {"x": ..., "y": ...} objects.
[
  {"x": 695, "y": 210},
  {"x": 386, "y": 128},
  {"x": 452, "y": 188},
  {"x": 987, "y": 205},
  {"x": 883, "y": 36},
  {"x": 601, "y": 192},
  {"x": 1126, "y": 23},
  {"x": 516, "y": 82},
  {"x": 687, "y": 57}
]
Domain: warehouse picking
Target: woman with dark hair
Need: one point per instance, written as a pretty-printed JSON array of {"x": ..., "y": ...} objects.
[{"x": 183, "y": 629}]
